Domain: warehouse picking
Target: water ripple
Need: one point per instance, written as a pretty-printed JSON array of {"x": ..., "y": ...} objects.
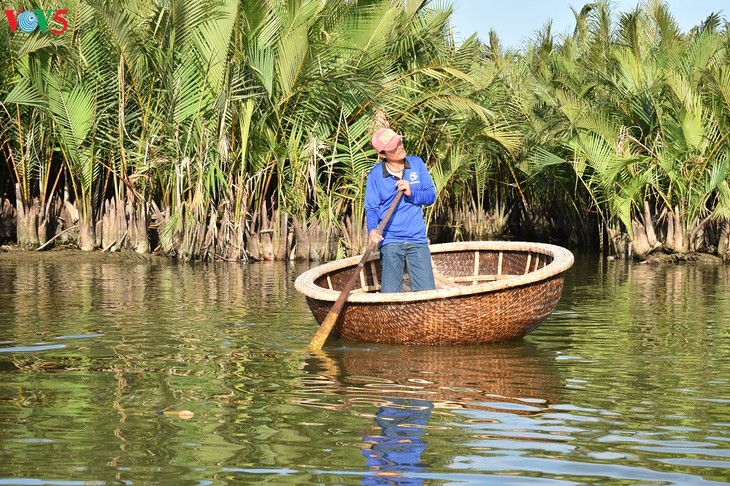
[{"x": 33, "y": 348}]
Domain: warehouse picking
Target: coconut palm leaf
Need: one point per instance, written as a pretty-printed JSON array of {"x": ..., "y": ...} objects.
[
  {"x": 213, "y": 41},
  {"x": 25, "y": 92},
  {"x": 73, "y": 112}
]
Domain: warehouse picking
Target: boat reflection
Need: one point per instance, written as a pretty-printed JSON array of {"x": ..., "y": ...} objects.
[
  {"x": 400, "y": 387},
  {"x": 516, "y": 377}
]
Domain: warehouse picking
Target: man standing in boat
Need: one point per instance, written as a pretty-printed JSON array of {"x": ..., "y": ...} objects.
[{"x": 403, "y": 243}]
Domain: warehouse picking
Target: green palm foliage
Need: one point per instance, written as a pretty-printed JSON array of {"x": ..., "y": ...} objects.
[
  {"x": 43, "y": 105},
  {"x": 237, "y": 130},
  {"x": 629, "y": 99}
]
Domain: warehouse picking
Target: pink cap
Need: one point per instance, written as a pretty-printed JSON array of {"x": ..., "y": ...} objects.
[{"x": 386, "y": 139}]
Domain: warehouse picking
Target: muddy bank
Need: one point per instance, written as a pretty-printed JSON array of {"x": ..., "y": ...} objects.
[
  {"x": 658, "y": 258},
  {"x": 62, "y": 254}
]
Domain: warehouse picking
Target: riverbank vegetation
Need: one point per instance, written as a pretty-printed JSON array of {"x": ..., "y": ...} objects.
[{"x": 240, "y": 130}]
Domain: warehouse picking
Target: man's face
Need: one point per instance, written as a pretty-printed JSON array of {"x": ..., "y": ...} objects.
[{"x": 395, "y": 155}]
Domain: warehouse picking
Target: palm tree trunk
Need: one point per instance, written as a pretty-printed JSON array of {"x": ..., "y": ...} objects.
[
  {"x": 639, "y": 242},
  {"x": 137, "y": 224},
  {"x": 680, "y": 243},
  {"x": 87, "y": 230},
  {"x": 26, "y": 222},
  {"x": 8, "y": 229},
  {"x": 723, "y": 246}
]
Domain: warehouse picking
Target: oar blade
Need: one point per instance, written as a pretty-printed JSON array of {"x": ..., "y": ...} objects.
[{"x": 324, "y": 331}]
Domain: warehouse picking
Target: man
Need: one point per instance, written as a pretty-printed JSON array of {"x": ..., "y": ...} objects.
[{"x": 404, "y": 242}]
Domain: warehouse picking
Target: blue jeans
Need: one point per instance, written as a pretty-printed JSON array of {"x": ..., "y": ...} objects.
[{"x": 415, "y": 256}]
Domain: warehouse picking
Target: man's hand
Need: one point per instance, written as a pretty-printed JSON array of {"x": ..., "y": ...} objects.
[
  {"x": 405, "y": 186},
  {"x": 375, "y": 236}
]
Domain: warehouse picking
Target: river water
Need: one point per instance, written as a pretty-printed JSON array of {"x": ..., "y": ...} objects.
[{"x": 627, "y": 382}]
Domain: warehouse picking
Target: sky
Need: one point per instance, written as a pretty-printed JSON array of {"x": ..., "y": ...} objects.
[{"x": 515, "y": 21}]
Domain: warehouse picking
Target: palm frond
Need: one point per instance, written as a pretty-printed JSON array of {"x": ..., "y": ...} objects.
[{"x": 73, "y": 112}]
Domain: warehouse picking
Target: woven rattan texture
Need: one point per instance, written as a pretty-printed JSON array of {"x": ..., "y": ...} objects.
[
  {"x": 490, "y": 316},
  {"x": 482, "y": 318}
]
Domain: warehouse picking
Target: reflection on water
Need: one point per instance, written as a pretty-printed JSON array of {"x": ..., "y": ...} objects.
[
  {"x": 515, "y": 377},
  {"x": 393, "y": 454},
  {"x": 403, "y": 385},
  {"x": 626, "y": 383}
]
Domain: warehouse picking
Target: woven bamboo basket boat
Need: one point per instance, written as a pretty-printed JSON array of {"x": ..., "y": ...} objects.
[{"x": 486, "y": 292}]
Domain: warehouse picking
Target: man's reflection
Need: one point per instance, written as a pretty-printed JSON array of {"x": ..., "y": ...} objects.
[{"x": 396, "y": 451}]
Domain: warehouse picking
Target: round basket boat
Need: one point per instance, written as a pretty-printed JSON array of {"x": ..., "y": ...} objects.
[{"x": 486, "y": 292}]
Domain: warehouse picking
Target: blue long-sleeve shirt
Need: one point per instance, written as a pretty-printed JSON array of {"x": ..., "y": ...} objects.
[{"x": 406, "y": 223}]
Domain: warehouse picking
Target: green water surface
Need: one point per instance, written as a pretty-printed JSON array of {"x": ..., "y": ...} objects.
[{"x": 627, "y": 382}]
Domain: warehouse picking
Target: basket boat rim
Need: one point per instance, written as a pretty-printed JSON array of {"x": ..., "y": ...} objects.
[{"x": 562, "y": 261}]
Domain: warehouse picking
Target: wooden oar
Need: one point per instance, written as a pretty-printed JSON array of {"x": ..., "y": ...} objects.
[{"x": 329, "y": 322}]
